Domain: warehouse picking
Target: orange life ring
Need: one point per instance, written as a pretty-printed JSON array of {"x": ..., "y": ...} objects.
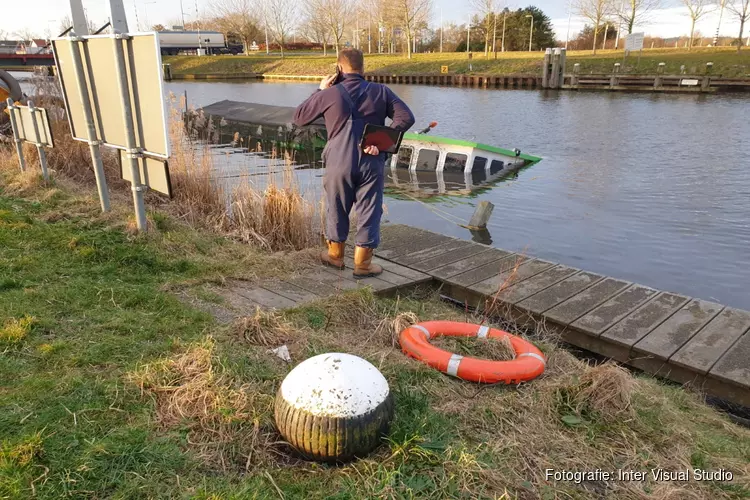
[{"x": 528, "y": 364}]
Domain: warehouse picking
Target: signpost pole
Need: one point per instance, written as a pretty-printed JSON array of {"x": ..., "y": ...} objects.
[
  {"x": 16, "y": 137},
  {"x": 39, "y": 145},
  {"x": 134, "y": 153},
  {"x": 93, "y": 140}
]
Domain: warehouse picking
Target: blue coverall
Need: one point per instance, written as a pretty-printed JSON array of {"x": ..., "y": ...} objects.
[{"x": 353, "y": 178}]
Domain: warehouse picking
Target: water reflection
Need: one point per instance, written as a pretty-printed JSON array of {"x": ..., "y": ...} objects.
[{"x": 401, "y": 182}]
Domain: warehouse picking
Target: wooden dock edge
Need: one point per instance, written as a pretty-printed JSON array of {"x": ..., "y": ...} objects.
[{"x": 579, "y": 338}]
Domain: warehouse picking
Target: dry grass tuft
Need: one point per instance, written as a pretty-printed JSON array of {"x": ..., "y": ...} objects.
[
  {"x": 264, "y": 328},
  {"x": 229, "y": 426},
  {"x": 15, "y": 330},
  {"x": 21, "y": 454},
  {"x": 277, "y": 217},
  {"x": 390, "y": 328},
  {"x": 606, "y": 389}
]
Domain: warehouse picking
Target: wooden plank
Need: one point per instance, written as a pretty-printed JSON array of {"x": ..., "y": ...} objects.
[
  {"x": 412, "y": 244},
  {"x": 477, "y": 260},
  {"x": 709, "y": 345},
  {"x": 393, "y": 235},
  {"x": 399, "y": 269},
  {"x": 391, "y": 277},
  {"x": 291, "y": 292},
  {"x": 449, "y": 257},
  {"x": 733, "y": 367},
  {"x": 637, "y": 324},
  {"x": 554, "y": 295},
  {"x": 490, "y": 269},
  {"x": 434, "y": 251},
  {"x": 578, "y": 305},
  {"x": 535, "y": 284},
  {"x": 511, "y": 275},
  {"x": 668, "y": 337},
  {"x": 612, "y": 311},
  {"x": 322, "y": 284},
  {"x": 336, "y": 276},
  {"x": 267, "y": 298}
]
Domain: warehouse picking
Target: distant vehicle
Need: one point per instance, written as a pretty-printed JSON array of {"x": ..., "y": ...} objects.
[{"x": 174, "y": 42}]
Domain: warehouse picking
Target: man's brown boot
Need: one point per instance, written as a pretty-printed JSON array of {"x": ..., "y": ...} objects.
[
  {"x": 363, "y": 266},
  {"x": 334, "y": 256}
]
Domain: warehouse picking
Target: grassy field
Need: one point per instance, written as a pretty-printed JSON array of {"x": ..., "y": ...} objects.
[
  {"x": 111, "y": 386},
  {"x": 726, "y": 62}
]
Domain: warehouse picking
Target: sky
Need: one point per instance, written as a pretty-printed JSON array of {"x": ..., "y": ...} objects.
[{"x": 666, "y": 22}]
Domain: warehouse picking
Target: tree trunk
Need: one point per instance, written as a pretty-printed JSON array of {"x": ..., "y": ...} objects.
[
  {"x": 245, "y": 46},
  {"x": 596, "y": 32},
  {"x": 742, "y": 33},
  {"x": 692, "y": 33},
  {"x": 408, "y": 44}
]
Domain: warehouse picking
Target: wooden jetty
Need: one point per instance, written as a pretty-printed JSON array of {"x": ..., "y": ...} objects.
[{"x": 687, "y": 340}]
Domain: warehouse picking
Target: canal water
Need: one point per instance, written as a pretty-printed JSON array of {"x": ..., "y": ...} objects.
[
  {"x": 653, "y": 189},
  {"x": 649, "y": 188}
]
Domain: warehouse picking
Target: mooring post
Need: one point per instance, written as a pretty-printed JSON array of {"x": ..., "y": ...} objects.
[
  {"x": 481, "y": 215},
  {"x": 706, "y": 84},
  {"x": 576, "y": 73},
  {"x": 554, "y": 81},
  {"x": 16, "y": 136},
  {"x": 39, "y": 145},
  {"x": 563, "y": 61},
  {"x": 167, "y": 69},
  {"x": 659, "y": 80},
  {"x": 134, "y": 153},
  {"x": 545, "y": 68},
  {"x": 613, "y": 79}
]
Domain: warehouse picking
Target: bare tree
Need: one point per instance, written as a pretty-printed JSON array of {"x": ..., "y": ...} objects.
[
  {"x": 237, "y": 17},
  {"x": 486, "y": 11},
  {"x": 631, "y": 12},
  {"x": 697, "y": 9},
  {"x": 317, "y": 32},
  {"x": 596, "y": 11},
  {"x": 281, "y": 18},
  {"x": 741, "y": 9},
  {"x": 332, "y": 14},
  {"x": 412, "y": 13}
]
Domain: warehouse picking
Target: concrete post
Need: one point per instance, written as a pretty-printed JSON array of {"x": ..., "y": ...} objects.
[
  {"x": 545, "y": 68},
  {"x": 167, "y": 69},
  {"x": 706, "y": 83},
  {"x": 576, "y": 73},
  {"x": 614, "y": 79},
  {"x": 481, "y": 215},
  {"x": 555, "y": 80},
  {"x": 563, "y": 61},
  {"x": 659, "y": 80}
]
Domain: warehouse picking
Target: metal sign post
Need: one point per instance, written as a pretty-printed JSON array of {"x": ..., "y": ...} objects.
[
  {"x": 94, "y": 143},
  {"x": 134, "y": 153},
  {"x": 39, "y": 145},
  {"x": 16, "y": 138}
]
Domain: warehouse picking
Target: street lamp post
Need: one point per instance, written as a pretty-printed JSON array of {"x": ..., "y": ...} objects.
[
  {"x": 570, "y": 18},
  {"x": 531, "y": 31},
  {"x": 182, "y": 12},
  {"x": 468, "y": 35}
]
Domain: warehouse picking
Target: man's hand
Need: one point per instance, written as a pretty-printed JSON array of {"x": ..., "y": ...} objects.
[
  {"x": 372, "y": 150},
  {"x": 327, "y": 82}
]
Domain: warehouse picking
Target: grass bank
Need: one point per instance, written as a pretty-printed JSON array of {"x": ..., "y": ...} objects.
[
  {"x": 113, "y": 387},
  {"x": 726, "y": 63}
]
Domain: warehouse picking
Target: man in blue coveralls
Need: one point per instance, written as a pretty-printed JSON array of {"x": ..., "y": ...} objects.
[{"x": 353, "y": 177}]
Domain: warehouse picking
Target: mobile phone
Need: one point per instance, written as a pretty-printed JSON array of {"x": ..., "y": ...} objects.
[{"x": 339, "y": 75}]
